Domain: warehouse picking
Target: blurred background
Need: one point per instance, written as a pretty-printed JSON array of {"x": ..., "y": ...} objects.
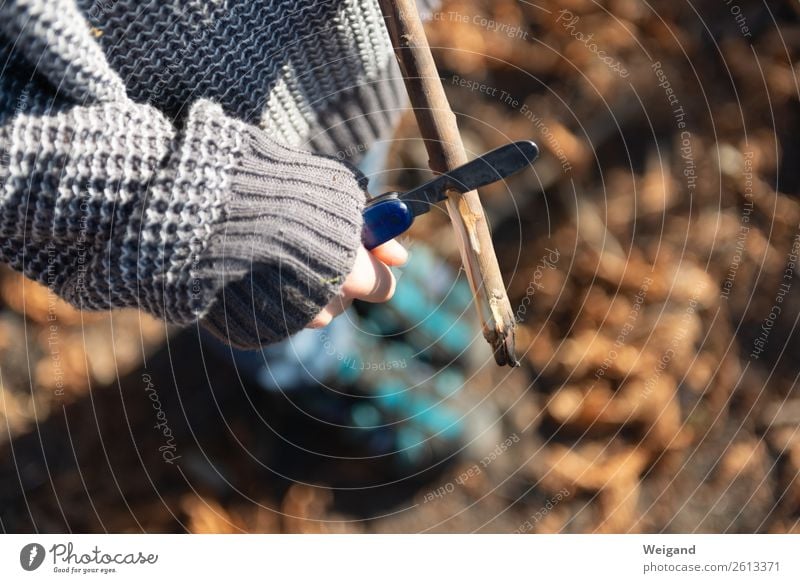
[{"x": 651, "y": 256}]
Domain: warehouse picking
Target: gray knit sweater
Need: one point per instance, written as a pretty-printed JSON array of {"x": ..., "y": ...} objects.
[{"x": 185, "y": 156}]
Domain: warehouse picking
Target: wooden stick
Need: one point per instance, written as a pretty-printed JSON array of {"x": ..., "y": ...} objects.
[{"x": 439, "y": 130}]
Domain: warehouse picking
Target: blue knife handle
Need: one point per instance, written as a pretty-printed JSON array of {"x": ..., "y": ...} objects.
[{"x": 385, "y": 220}]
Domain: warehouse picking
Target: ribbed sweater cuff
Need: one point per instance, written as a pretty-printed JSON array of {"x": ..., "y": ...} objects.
[{"x": 289, "y": 239}]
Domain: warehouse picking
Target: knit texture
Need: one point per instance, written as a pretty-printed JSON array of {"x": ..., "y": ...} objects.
[
  {"x": 267, "y": 253},
  {"x": 189, "y": 157}
]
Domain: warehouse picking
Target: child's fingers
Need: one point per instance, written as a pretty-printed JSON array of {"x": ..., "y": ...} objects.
[
  {"x": 371, "y": 280},
  {"x": 337, "y": 307},
  {"x": 391, "y": 253},
  {"x": 323, "y": 319}
]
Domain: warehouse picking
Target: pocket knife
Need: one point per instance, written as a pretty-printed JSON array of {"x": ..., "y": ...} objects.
[{"x": 391, "y": 214}]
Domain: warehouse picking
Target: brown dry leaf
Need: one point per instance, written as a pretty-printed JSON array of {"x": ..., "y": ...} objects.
[
  {"x": 206, "y": 516},
  {"x": 15, "y": 413},
  {"x": 590, "y": 468},
  {"x": 537, "y": 346},
  {"x": 304, "y": 509},
  {"x": 577, "y": 151},
  {"x": 654, "y": 403},
  {"x": 743, "y": 457},
  {"x": 259, "y": 518},
  {"x": 582, "y": 407},
  {"x": 618, "y": 507},
  {"x": 38, "y": 303}
]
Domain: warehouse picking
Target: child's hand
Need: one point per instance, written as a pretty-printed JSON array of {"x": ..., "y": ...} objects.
[{"x": 371, "y": 280}]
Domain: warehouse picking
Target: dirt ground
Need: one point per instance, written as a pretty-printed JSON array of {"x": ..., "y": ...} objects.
[{"x": 652, "y": 257}]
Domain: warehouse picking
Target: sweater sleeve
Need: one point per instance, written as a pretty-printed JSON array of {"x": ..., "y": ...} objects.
[{"x": 110, "y": 204}]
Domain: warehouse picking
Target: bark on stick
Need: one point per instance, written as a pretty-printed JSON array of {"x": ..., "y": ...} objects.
[{"x": 439, "y": 130}]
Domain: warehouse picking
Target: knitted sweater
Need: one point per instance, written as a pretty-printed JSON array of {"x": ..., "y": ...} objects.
[{"x": 186, "y": 157}]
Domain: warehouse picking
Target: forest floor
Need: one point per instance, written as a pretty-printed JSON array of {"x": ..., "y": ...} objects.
[{"x": 658, "y": 391}]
